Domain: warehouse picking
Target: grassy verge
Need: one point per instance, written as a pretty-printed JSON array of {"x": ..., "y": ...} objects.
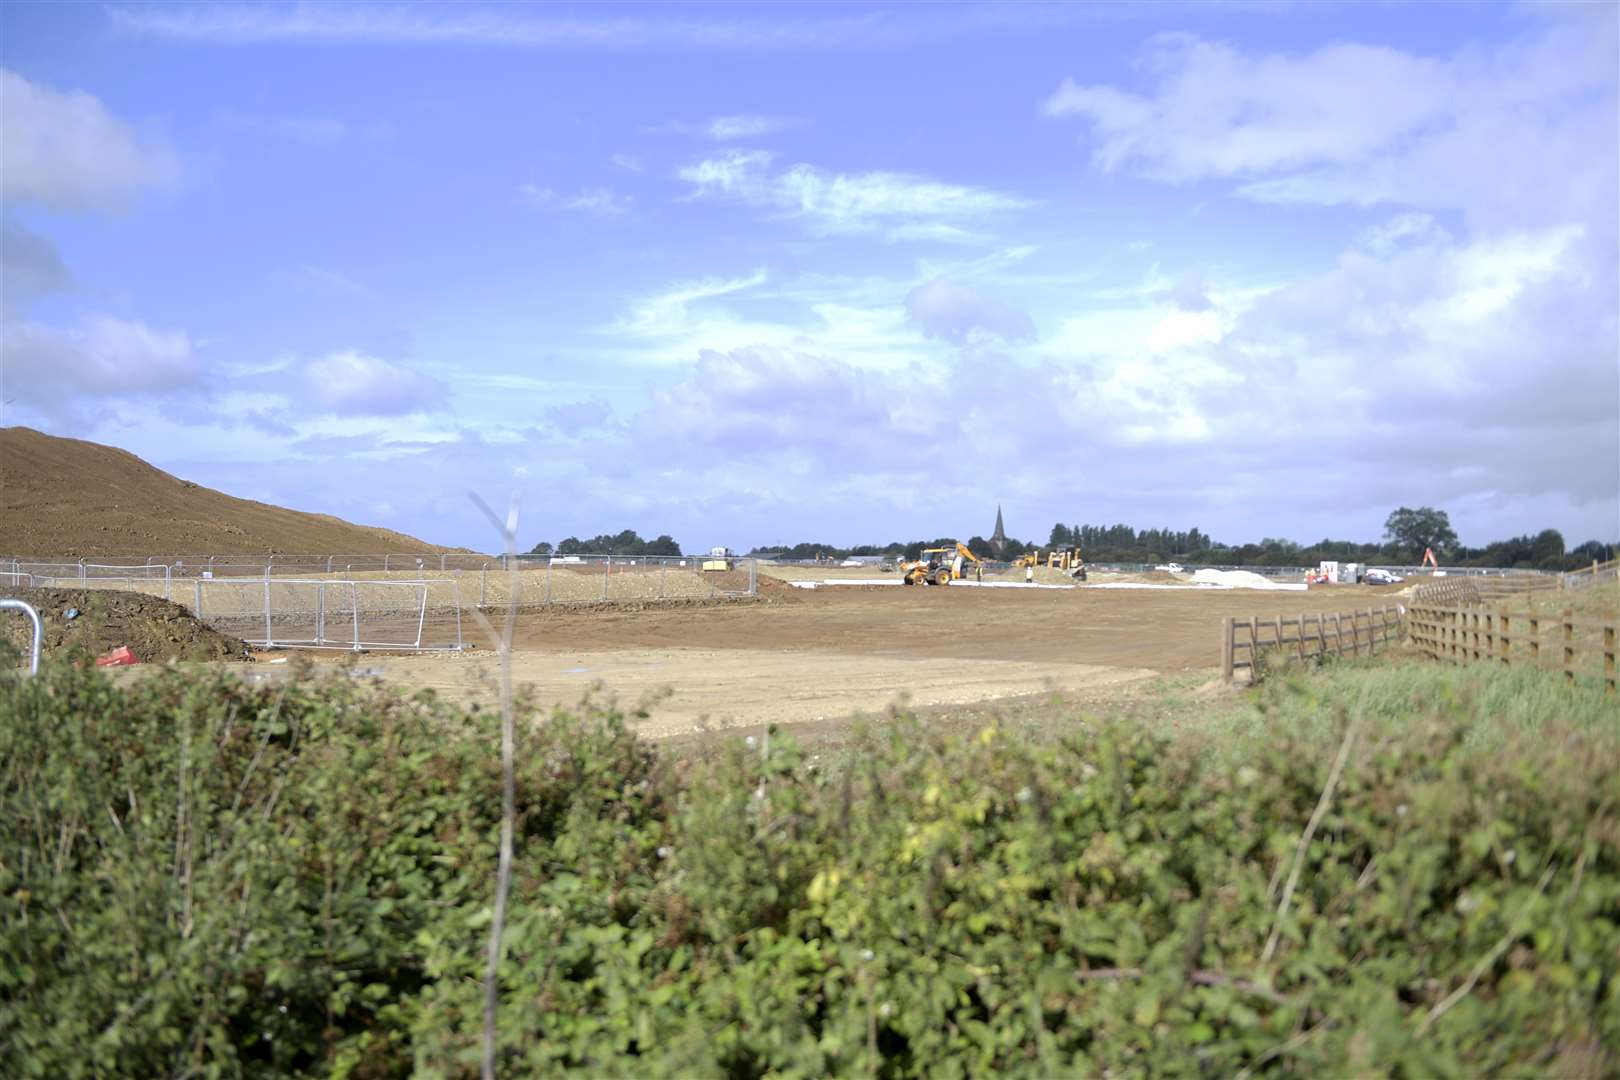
[{"x": 1366, "y": 868}]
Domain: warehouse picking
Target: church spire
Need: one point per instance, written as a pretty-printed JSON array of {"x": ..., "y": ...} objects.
[{"x": 998, "y": 539}]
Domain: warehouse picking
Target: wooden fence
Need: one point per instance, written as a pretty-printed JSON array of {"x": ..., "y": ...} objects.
[
  {"x": 1579, "y": 647},
  {"x": 1246, "y": 643}
]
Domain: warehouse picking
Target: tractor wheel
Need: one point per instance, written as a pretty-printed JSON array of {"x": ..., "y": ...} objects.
[{"x": 942, "y": 578}]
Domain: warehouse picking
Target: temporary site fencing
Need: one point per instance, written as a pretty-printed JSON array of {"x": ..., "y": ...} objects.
[
  {"x": 330, "y": 613},
  {"x": 382, "y": 601}
]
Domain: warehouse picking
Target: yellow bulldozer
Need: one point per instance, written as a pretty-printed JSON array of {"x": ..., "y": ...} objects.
[
  {"x": 940, "y": 566},
  {"x": 1067, "y": 559}
]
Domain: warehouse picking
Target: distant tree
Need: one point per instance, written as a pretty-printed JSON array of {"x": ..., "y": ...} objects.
[
  {"x": 1590, "y": 552},
  {"x": 664, "y": 545},
  {"x": 1415, "y": 530},
  {"x": 542, "y": 548},
  {"x": 1547, "y": 549},
  {"x": 980, "y": 547},
  {"x": 573, "y": 546},
  {"x": 1061, "y": 535}
]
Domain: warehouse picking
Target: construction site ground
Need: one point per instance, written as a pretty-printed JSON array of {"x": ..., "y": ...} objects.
[{"x": 817, "y": 657}]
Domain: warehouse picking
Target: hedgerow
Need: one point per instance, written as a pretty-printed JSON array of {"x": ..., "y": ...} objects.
[{"x": 203, "y": 876}]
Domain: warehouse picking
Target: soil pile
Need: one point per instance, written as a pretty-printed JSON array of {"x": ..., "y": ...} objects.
[
  {"x": 154, "y": 629},
  {"x": 63, "y": 497}
]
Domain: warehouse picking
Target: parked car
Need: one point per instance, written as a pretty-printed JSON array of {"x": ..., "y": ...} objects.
[
  {"x": 1375, "y": 576},
  {"x": 1172, "y": 568}
]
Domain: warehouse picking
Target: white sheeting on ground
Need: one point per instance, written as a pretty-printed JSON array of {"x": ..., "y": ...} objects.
[
  {"x": 1008, "y": 585},
  {"x": 1155, "y": 585},
  {"x": 954, "y": 584}
]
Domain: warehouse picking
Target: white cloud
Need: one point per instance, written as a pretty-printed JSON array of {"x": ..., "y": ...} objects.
[
  {"x": 595, "y": 202},
  {"x": 956, "y": 313},
  {"x": 905, "y": 206},
  {"x": 628, "y": 162},
  {"x": 63, "y": 372},
  {"x": 1400, "y": 231},
  {"x": 745, "y": 126},
  {"x": 351, "y": 383},
  {"x": 1498, "y": 133},
  {"x": 66, "y": 151}
]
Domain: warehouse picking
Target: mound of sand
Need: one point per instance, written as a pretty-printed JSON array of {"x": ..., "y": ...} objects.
[
  {"x": 1243, "y": 579},
  {"x": 62, "y": 497}
]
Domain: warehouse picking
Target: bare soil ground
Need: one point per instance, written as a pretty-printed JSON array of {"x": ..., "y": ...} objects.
[
  {"x": 820, "y": 656},
  {"x": 62, "y": 497}
]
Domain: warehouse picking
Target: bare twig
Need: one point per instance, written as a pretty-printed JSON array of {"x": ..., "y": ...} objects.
[
  {"x": 1282, "y": 1048},
  {"x": 1486, "y": 962},
  {"x": 503, "y": 873},
  {"x": 1322, "y": 805}
]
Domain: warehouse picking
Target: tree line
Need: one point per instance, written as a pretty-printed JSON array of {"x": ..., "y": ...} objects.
[
  {"x": 1408, "y": 533},
  {"x": 627, "y": 542}
]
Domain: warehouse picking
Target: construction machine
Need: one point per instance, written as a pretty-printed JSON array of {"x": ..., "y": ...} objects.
[
  {"x": 939, "y": 566},
  {"x": 1067, "y": 559}
]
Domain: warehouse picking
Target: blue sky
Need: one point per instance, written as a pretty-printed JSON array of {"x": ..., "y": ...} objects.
[{"x": 750, "y": 274}]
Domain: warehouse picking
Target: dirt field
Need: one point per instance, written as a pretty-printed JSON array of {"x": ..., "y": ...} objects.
[{"x": 828, "y": 653}]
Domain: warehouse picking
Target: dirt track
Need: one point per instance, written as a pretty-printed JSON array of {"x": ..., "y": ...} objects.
[{"x": 836, "y": 651}]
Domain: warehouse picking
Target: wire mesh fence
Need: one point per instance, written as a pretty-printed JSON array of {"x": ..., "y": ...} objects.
[
  {"x": 332, "y": 613},
  {"x": 384, "y": 601}
]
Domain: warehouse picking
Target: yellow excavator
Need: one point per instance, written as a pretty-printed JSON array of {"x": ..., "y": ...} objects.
[{"x": 940, "y": 566}]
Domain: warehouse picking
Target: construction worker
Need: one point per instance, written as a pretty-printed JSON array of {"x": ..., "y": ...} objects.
[{"x": 1029, "y": 573}]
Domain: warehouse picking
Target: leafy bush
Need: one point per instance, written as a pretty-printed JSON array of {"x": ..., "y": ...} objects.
[{"x": 201, "y": 875}]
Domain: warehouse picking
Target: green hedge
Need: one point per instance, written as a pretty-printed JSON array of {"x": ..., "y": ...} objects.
[{"x": 202, "y": 876}]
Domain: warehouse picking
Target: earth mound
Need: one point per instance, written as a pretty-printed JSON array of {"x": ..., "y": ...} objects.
[
  {"x": 154, "y": 629},
  {"x": 62, "y": 497}
]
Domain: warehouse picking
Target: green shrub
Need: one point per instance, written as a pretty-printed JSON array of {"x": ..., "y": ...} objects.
[{"x": 203, "y": 876}]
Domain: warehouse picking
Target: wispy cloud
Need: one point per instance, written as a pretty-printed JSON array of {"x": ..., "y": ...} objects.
[
  {"x": 898, "y": 205},
  {"x": 746, "y": 126},
  {"x": 596, "y": 201},
  {"x": 421, "y": 25},
  {"x": 323, "y": 281},
  {"x": 667, "y": 313},
  {"x": 513, "y": 27},
  {"x": 310, "y": 130}
]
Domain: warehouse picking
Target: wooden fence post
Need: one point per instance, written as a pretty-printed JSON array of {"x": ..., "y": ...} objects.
[
  {"x": 1226, "y": 648},
  {"x": 1608, "y": 659},
  {"x": 1569, "y": 649}
]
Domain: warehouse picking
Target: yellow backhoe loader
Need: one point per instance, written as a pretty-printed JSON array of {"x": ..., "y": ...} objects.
[{"x": 940, "y": 566}]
